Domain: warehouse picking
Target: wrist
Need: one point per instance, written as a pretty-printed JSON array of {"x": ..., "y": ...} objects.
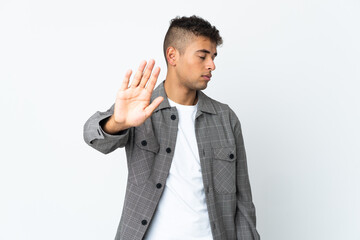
[{"x": 111, "y": 126}]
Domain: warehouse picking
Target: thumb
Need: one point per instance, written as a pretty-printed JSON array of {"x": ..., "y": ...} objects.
[{"x": 150, "y": 109}]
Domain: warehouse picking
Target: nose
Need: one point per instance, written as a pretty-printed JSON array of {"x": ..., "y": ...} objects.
[{"x": 211, "y": 65}]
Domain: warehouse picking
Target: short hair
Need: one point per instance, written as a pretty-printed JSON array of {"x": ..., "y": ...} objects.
[{"x": 181, "y": 30}]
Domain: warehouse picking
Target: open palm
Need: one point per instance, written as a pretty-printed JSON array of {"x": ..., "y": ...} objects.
[{"x": 132, "y": 105}]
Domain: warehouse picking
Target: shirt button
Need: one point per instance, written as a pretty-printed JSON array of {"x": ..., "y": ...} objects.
[
  {"x": 231, "y": 156},
  {"x": 168, "y": 150},
  {"x": 143, "y": 222},
  {"x": 144, "y": 143},
  {"x": 173, "y": 117},
  {"x": 159, "y": 185}
]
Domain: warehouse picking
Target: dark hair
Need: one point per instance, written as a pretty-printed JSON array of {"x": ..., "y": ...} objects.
[{"x": 181, "y": 29}]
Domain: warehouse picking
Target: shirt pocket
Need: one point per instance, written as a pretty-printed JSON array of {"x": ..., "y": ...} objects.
[
  {"x": 143, "y": 156},
  {"x": 224, "y": 169}
]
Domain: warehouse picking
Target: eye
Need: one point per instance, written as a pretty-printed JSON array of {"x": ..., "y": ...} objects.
[{"x": 203, "y": 58}]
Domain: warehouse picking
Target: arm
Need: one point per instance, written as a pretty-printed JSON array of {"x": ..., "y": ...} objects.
[
  {"x": 106, "y": 131},
  {"x": 96, "y": 137},
  {"x": 245, "y": 209}
]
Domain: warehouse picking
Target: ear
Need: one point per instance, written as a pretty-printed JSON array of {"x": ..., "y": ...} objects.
[{"x": 171, "y": 56}]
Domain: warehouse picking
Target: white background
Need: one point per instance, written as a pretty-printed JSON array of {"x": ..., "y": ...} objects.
[{"x": 289, "y": 69}]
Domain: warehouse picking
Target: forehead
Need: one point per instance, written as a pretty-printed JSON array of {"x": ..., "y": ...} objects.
[{"x": 197, "y": 43}]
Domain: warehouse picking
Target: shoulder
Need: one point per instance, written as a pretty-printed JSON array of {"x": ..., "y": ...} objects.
[
  {"x": 223, "y": 112},
  {"x": 219, "y": 107}
]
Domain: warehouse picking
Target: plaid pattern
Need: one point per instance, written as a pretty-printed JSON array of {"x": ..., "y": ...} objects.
[{"x": 149, "y": 150}]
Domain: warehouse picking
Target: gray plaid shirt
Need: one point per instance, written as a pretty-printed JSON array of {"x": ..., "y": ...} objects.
[{"x": 149, "y": 150}]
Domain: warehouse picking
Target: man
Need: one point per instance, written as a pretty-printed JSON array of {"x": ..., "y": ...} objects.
[{"x": 187, "y": 170}]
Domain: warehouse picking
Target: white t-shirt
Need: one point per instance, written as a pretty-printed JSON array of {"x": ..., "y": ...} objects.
[{"x": 182, "y": 211}]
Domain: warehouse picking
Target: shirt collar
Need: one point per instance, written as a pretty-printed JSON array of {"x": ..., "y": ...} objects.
[{"x": 204, "y": 102}]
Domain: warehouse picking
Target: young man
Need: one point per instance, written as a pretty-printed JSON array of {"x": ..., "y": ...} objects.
[{"x": 187, "y": 170}]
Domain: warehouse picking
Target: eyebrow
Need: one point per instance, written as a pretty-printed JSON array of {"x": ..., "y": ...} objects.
[{"x": 206, "y": 51}]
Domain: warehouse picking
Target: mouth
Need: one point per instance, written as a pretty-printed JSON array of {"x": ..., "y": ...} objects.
[{"x": 207, "y": 77}]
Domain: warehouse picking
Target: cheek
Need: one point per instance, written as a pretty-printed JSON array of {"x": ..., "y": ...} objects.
[
  {"x": 190, "y": 68},
  {"x": 194, "y": 66}
]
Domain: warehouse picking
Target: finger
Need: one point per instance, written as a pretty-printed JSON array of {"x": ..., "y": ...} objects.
[
  {"x": 153, "y": 79},
  {"x": 125, "y": 82},
  {"x": 150, "y": 109},
  {"x": 138, "y": 74},
  {"x": 147, "y": 73}
]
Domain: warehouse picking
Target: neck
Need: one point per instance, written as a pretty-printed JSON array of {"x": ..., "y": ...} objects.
[{"x": 178, "y": 92}]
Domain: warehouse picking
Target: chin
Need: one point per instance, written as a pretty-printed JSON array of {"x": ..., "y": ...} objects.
[
  {"x": 202, "y": 86},
  {"x": 198, "y": 86}
]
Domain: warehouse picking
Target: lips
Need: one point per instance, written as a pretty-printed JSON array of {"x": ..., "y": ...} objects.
[{"x": 208, "y": 76}]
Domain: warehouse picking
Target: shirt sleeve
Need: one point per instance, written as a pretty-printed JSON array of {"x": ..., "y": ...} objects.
[
  {"x": 245, "y": 210},
  {"x": 97, "y": 138}
]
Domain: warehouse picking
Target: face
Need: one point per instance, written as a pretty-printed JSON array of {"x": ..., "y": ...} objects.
[{"x": 194, "y": 66}]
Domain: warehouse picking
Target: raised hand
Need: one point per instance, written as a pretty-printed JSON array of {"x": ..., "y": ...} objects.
[{"x": 132, "y": 104}]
